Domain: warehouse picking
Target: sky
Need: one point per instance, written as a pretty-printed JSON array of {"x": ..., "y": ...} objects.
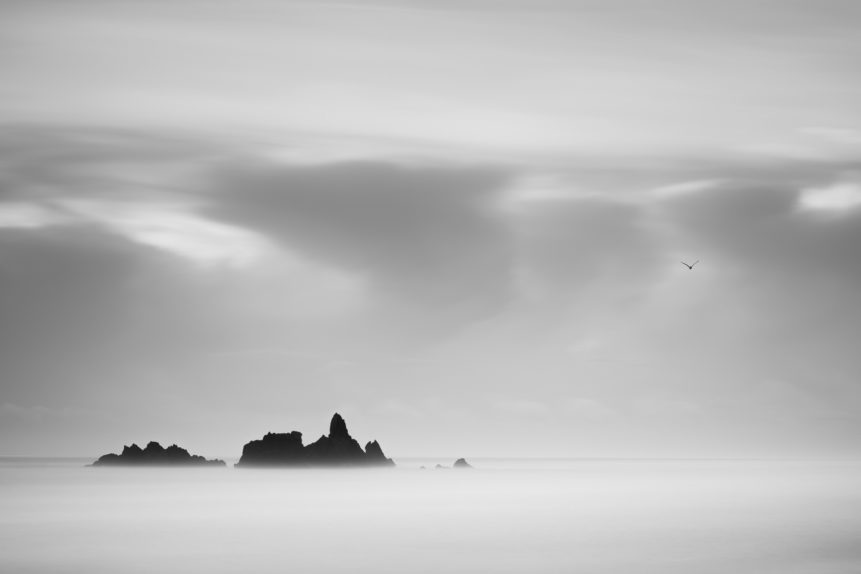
[{"x": 459, "y": 224}]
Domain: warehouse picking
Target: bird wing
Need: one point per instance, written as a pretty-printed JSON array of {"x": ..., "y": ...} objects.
[
  {"x": 694, "y": 263},
  {"x": 685, "y": 264}
]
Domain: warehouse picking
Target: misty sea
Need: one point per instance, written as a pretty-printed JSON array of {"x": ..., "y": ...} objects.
[{"x": 591, "y": 516}]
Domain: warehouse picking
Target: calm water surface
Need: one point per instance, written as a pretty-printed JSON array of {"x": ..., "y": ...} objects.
[{"x": 57, "y": 515}]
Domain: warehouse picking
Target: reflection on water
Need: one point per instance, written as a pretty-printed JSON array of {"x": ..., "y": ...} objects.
[{"x": 505, "y": 516}]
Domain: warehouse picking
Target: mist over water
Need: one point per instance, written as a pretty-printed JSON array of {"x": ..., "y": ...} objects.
[{"x": 506, "y": 516}]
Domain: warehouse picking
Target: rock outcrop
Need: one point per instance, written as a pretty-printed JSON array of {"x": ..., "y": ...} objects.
[
  {"x": 336, "y": 449},
  {"x": 155, "y": 455},
  {"x": 461, "y": 463}
]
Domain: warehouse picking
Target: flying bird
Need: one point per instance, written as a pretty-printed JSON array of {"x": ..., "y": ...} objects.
[{"x": 691, "y": 266}]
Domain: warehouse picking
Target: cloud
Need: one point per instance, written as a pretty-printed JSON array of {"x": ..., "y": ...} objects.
[
  {"x": 837, "y": 197},
  {"x": 173, "y": 229},
  {"x": 44, "y": 160},
  {"x": 104, "y": 178},
  {"x": 63, "y": 303},
  {"x": 760, "y": 227},
  {"x": 685, "y": 187},
  {"x": 520, "y": 409},
  {"x": 424, "y": 236},
  {"x": 572, "y": 245},
  {"x": 775, "y": 283},
  {"x": 240, "y": 283},
  {"x": 27, "y": 215}
]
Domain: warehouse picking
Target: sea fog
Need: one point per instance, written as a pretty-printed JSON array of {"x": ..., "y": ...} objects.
[{"x": 613, "y": 516}]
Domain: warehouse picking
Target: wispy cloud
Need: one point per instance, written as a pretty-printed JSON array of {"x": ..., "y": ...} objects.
[{"x": 479, "y": 290}]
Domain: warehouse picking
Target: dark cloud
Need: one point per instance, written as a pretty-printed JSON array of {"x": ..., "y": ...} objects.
[
  {"x": 767, "y": 229},
  {"x": 430, "y": 235},
  {"x": 47, "y": 162}
]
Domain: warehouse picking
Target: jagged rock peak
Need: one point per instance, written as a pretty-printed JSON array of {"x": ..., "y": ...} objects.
[
  {"x": 374, "y": 453},
  {"x": 132, "y": 451},
  {"x": 338, "y": 427}
]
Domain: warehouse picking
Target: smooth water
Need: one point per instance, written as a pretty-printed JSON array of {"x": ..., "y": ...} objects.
[{"x": 586, "y": 516}]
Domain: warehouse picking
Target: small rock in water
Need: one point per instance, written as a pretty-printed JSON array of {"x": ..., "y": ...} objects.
[{"x": 461, "y": 463}]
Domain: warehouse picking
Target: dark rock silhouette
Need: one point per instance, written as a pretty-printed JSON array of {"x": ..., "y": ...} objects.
[
  {"x": 374, "y": 452},
  {"x": 461, "y": 463},
  {"x": 338, "y": 428},
  {"x": 337, "y": 449},
  {"x": 274, "y": 449},
  {"x": 155, "y": 455}
]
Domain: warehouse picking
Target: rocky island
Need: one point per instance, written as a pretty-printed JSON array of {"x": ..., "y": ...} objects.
[
  {"x": 336, "y": 449},
  {"x": 155, "y": 455}
]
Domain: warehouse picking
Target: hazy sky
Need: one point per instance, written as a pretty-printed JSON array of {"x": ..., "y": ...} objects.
[{"x": 457, "y": 223}]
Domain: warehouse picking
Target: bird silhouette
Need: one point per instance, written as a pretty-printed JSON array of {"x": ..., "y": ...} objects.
[{"x": 691, "y": 266}]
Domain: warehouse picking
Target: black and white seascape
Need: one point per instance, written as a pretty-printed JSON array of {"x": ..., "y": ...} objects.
[{"x": 414, "y": 286}]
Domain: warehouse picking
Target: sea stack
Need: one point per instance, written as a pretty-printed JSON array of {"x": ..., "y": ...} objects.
[
  {"x": 155, "y": 455},
  {"x": 336, "y": 449}
]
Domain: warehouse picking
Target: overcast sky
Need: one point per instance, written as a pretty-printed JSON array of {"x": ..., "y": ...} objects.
[{"x": 460, "y": 224}]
